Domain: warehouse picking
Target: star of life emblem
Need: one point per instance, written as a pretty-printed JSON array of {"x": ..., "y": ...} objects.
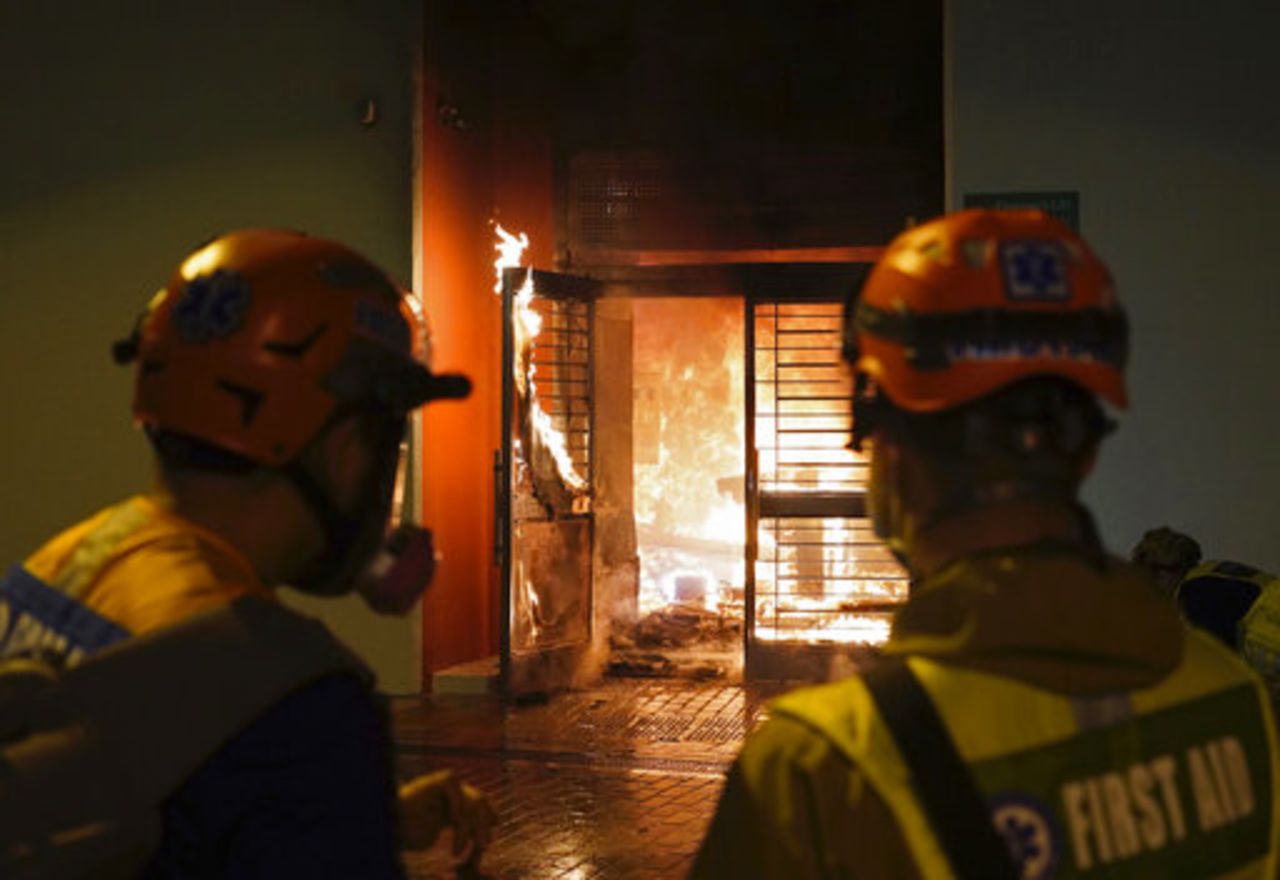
[
  {"x": 211, "y": 307},
  {"x": 1028, "y": 831},
  {"x": 1034, "y": 271}
]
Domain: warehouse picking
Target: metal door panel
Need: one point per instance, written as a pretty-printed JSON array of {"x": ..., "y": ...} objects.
[
  {"x": 544, "y": 479},
  {"x": 819, "y": 584}
]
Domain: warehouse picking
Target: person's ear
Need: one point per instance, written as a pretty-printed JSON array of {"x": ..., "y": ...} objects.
[{"x": 342, "y": 454}]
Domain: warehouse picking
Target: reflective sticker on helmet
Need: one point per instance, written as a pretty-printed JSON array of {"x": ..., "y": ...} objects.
[
  {"x": 211, "y": 307},
  {"x": 1028, "y": 348},
  {"x": 387, "y": 327},
  {"x": 1034, "y": 271}
]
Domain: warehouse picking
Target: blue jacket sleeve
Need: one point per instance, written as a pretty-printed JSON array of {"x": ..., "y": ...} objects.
[{"x": 305, "y": 791}]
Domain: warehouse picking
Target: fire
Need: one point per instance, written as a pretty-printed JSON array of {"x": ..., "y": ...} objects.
[
  {"x": 689, "y": 493},
  {"x": 845, "y": 628},
  {"x": 820, "y": 579},
  {"x": 511, "y": 250},
  {"x": 527, "y": 324},
  {"x": 689, "y": 448}
]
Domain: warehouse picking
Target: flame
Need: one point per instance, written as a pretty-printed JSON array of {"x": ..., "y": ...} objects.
[
  {"x": 510, "y": 250},
  {"x": 553, "y": 439},
  {"x": 845, "y": 578},
  {"x": 527, "y": 324},
  {"x": 844, "y": 628},
  {"x": 688, "y": 440},
  {"x": 690, "y": 362},
  {"x": 725, "y": 522}
]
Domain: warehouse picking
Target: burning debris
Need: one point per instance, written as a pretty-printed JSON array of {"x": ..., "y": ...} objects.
[
  {"x": 683, "y": 640},
  {"x": 682, "y": 625},
  {"x": 653, "y": 665}
]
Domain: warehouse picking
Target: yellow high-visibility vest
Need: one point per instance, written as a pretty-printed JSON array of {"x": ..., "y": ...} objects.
[
  {"x": 1176, "y": 780},
  {"x": 1258, "y": 633}
]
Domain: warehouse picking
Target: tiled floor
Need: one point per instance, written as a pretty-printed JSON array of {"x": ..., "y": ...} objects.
[{"x": 614, "y": 782}]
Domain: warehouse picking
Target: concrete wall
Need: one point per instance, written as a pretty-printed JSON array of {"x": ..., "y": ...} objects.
[
  {"x": 132, "y": 132},
  {"x": 1163, "y": 117}
]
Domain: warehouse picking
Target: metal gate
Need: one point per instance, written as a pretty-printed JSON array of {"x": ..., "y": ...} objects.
[
  {"x": 544, "y": 478},
  {"x": 817, "y": 579}
]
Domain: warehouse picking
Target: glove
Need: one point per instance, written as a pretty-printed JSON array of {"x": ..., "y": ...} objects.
[{"x": 430, "y": 803}]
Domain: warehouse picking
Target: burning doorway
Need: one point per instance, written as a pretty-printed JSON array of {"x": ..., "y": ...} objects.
[{"x": 703, "y": 508}]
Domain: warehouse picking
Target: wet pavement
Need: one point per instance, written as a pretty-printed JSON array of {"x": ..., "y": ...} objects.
[{"x": 618, "y": 781}]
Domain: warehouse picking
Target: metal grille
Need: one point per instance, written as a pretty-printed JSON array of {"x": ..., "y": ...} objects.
[
  {"x": 819, "y": 572},
  {"x": 824, "y": 579},
  {"x": 802, "y": 400},
  {"x": 560, "y": 359}
]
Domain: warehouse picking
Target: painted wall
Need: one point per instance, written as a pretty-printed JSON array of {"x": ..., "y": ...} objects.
[
  {"x": 133, "y": 131},
  {"x": 460, "y": 613},
  {"x": 1163, "y": 117},
  {"x": 486, "y": 159}
]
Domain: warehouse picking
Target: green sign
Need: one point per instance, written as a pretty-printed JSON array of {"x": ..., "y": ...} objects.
[
  {"x": 1183, "y": 792},
  {"x": 1064, "y": 206}
]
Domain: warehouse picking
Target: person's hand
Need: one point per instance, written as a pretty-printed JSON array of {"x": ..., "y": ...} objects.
[{"x": 430, "y": 803}]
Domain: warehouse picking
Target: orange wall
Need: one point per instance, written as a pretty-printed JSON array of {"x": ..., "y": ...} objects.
[
  {"x": 524, "y": 182},
  {"x": 496, "y": 168}
]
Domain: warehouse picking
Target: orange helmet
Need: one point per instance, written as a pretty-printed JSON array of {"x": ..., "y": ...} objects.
[
  {"x": 262, "y": 334},
  {"x": 971, "y": 302}
]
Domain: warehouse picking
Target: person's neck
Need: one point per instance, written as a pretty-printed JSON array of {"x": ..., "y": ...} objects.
[
  {"x": 265, "y": 524},
  {"x": 991, "y": 527}
]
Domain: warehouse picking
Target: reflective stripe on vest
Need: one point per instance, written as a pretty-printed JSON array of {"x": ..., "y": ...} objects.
[
  {"x": 1175, "y": 780},
  {"x": 49, "y": 619},
  {"x": 37, "y": 619}
]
